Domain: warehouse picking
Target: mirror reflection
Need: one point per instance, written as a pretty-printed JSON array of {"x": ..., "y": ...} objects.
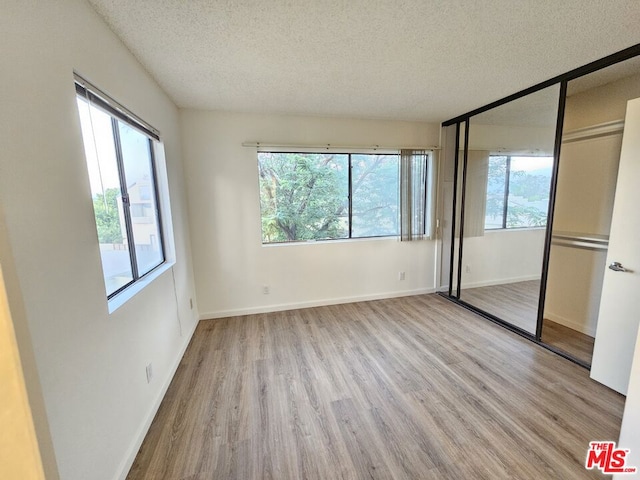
[
  {"x": 587, "y": 176},
  {"x": 509, "y": 163},
  {"x": 503, "y": 189}
]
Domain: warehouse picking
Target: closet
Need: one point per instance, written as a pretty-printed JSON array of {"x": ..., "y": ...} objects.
[
  {"x": 526, "y": 200},
  {"x": 588, "y": 168}
]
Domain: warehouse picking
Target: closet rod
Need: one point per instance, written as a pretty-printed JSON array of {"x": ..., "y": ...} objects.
[{"x": 579, "y": 240}]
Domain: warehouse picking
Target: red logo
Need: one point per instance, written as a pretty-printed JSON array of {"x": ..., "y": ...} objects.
[{"x": 608, "y": 458}]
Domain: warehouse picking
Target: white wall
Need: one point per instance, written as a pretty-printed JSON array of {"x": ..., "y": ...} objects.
[
  {"x": 574, "y": 287},
  {"x": 605, "y": 103},
  {"x": 584, "y": 203},
  {"x": 232, "y": 265},
  {"x": 88, "y": 365},
  {"x": 502, "y": 256}
]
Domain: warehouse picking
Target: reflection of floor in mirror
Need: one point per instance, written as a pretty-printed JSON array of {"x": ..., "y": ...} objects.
[
  {"x": 571, "y": 341},
  {"x": 517, "y": 303}
]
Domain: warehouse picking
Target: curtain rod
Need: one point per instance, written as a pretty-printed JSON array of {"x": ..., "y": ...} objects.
[{"x": 330, "y": 146}]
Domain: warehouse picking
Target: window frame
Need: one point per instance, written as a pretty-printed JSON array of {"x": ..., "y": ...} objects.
[
  {"x": 505, "y": 207},
  {"x": 94, "y": 97},
  {"x": 349, "y": 153}
]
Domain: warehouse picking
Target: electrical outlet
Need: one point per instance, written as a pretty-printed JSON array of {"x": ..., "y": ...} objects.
[
  {"x": 400, "y": 275},
  {"x": 149, "y": 372},
  {"x": 191, "y": 303},
  {"x": 467, "y": 269},
  {"x": 265, "y": 290}
]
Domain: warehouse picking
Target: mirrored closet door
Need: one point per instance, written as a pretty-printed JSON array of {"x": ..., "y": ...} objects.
[
  {"x": 527, "y": 194},
  {"x": 589, "y": 157},
  {"x": 509, "y": 162}
]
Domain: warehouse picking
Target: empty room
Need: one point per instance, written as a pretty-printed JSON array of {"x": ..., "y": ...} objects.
[{"x": 319, "y": 240}]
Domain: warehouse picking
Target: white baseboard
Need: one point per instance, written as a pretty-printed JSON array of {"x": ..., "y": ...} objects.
[
  {"x": 501, "y": 281},
  {"x": 144, "y": 428},
  {"x": 315, "y": 303},
  {"x": 567, "y": 322}
]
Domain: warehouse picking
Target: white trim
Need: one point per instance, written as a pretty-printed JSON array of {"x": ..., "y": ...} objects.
[
  {"x": 132, "y": 290},
  {"x": 127, "y": 463},
  {"x": 513, "y": 230},
  {"x": 501, "y": 281},
  {"x": 579, "y": 327},
  {"x": 336, "y": 241},
  {"x": 315, "y": 303},
  {"x": 600, "y": 130}
]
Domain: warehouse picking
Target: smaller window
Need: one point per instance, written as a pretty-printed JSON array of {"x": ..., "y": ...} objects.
[
  {"x": 517, "y": 191},
  {"x": 122, "y": 173}
]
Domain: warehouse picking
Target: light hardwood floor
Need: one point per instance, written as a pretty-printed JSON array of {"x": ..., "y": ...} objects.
[
  {"x": 407, "y": 388},
  {"x": 574, "y": 343},
  {"x": 517, "y": 303}
]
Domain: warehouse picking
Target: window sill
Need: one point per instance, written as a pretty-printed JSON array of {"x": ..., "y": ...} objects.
[
  {"x": 393, "y": 238},
  {"x": 515, "y": 229},
  {"x": 128, "y": 293}
]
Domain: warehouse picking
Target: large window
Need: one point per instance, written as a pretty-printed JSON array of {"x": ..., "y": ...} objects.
[
  {"x": 122, "y": 175},
  {"x": 517, "y": 191},
  {"x": 324, "y": 196}
]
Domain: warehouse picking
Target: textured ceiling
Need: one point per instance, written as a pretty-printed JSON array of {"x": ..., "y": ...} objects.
[
  {"x": 539, "y": 109},
  {"x": 403, "y": 59}
]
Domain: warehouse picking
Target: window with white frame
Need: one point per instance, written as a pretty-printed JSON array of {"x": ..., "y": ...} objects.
[{"x": 119, "y": 150}]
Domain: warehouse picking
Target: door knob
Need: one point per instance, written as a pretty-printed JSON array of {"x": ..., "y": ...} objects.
[{"x": 617, "y": 267}]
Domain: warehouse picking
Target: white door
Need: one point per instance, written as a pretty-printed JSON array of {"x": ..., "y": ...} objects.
[
  {"x": 18, "y": 443},
  {"x": 619, "y": 314}
]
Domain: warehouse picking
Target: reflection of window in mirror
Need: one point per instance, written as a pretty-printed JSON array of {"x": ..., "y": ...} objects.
[{"x": 517, "y": 191}]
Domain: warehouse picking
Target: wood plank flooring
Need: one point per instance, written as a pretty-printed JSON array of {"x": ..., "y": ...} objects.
[
  {"x": 575, "y": 343},
  {"x": 407, "y": 388},
  {"x": 517, "y": 303}
]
